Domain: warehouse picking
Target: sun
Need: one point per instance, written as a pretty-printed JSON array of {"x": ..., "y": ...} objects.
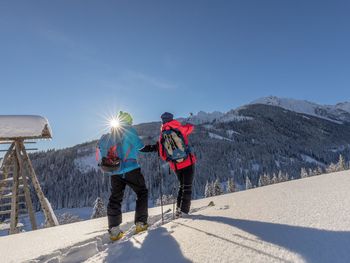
[{"x": 114, "y": 123}]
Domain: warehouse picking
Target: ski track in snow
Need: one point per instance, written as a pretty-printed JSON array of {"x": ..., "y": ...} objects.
[{"x": 303, "y": 220}]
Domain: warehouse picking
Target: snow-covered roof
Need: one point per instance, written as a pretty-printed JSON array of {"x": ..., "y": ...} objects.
[{"x": 24, "y": 126}]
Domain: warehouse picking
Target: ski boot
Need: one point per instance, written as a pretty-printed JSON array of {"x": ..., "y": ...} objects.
[
  {"x": 140, "y": 227},
  {"x": 115, "y": 233},
  {"x": 180, "y": 214}
]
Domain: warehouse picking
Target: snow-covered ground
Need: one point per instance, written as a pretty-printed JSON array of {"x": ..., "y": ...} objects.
[
  {"x": 305, "y": 220},
  {"x": 84, "y": 213}
]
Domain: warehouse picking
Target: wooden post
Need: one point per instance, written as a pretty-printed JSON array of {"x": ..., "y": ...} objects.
[
  {"x": 4, "y": 161},
  {"x": 44, "y": 205},
  {"x": 29, "y": 204},
  {"x": 14, "y": 200}
]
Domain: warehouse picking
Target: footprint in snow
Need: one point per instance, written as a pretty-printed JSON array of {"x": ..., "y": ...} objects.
[{"x": 225, "y": 207}]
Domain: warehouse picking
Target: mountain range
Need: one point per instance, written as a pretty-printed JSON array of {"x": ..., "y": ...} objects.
[{"x": 270, "y": 135}]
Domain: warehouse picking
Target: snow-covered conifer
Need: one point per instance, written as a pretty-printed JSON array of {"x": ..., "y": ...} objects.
[
  {"x": 303, "y": 173},
  {"x": 341, "y": 166},
  {"x": 99, "y": 209},
  {"x": 230, "y": 185},
  {"x": 217, "y": 188},
  {"x": 265, "y": 179},
  {"x": 67, "y": 218},
  {"x": 248, "y": 183},
  {"x": 331, "y": 168},
  {"x": 208, "y": 191},
  {"x": 274, "y": 179},
  {"x": 260, "y": 181}
]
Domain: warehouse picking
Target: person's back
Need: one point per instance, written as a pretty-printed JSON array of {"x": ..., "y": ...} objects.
[
  {"x": 123, "y": 145},
  {"x": 185, "y": 131},
  {"x": 174, "y": 139}
]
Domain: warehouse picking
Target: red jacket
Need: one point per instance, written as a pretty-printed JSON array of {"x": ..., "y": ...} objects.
[{"x": 185, "y": 130}]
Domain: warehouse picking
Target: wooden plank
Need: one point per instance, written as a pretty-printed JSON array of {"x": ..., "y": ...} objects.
[
  {"x": 44, "y": 206},
  {"x": 5, "y": 160},
  {"x": 6, "y": 212},
  {"x": 29, "y": 204},
  {"x": 10, "y": 179},
  {"x": 9, "y": 151},
  {"x": 9, "y": 204},
  {"x": 14, "y": 201},
  {"x": 10, "y": 195},
  {"x": 10, "y": 188}
]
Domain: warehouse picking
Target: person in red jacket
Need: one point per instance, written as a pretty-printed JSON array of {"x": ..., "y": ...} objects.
[{"x": 180, "y": 158}]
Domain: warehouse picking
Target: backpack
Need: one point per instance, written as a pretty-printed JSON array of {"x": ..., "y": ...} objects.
[
  {"x": 174, "y": 145},
  {"x": 108, "y": 153}
]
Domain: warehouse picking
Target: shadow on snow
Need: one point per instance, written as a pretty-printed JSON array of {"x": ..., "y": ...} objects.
[
  {"x": 314, "y": 245},
  {"x": 158, "y": 246}
]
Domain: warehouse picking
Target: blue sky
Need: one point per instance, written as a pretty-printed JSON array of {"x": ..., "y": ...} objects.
[{"x": 77, "y": 61}]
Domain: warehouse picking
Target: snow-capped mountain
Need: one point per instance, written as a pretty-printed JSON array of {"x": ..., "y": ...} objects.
[
  {"x": 337, "y": 113},
  {"x": 204, "y": 117},
  {"x": 247, "y": 141},
  {"x": 216, "y": 116},
  {"x": 298, "y": 221}
]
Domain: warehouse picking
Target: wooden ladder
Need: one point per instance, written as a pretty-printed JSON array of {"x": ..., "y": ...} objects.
[{"x": 15, "y": 173}]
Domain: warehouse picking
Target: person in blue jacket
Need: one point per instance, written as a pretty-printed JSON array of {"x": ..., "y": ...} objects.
[{"x": 119, "y": 150}]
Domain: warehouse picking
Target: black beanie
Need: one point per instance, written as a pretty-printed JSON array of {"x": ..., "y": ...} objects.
[{"x": 166, "y": 117}]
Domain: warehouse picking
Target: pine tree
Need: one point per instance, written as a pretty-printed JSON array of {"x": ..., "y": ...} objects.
[
  {"x": 230, "y": 185},
  {"x": 303, "y": 173},
  {"x": 167, "y": 199},
  {"x": 67, "y": 218},
  {"x": 208, "y": 191},
  {"x": 265, "y": 180},
  {"x": 99, "y": 208},
  {"x": 217, "y": 188},
  {"x": 212, "y": 189},
  {"x": 248, "y": 183},
  {"x": 280, "y": 177},
  {"x": 341, "y": 163},
  {"x": 311, "y": 172},
  {"x": 331, "y": 168},
  {"x": 285, "y": 177},
  {"x": 274, "y": 179}
]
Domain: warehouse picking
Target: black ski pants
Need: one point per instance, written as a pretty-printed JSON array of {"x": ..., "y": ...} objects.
[
  {"x": 185, "y": 177},
  {"x": 136, "y": 181}
]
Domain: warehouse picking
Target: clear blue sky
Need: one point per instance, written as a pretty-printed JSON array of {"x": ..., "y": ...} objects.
[{"x": 76, "y": 61}]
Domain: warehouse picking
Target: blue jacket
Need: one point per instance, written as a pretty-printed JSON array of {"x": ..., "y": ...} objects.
[{"x": 128, "y": 152}]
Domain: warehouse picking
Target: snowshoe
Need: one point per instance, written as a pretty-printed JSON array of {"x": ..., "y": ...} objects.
[
  {"x": 140, "y": 227},
  {"x": 115, "y": 233},
  {"x": 180, "y": 214}
]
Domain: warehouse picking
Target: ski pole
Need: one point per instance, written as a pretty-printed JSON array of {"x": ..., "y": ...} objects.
[
  {"x": 160, "y": 189},
  {"x": 173, "y": 193}
]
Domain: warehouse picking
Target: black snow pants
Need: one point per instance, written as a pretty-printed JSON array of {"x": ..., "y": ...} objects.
[
  {"x": 136, "y": 181},
  {"x": 185, "y": 177}
]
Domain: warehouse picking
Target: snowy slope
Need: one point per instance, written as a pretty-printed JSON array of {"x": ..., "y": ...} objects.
[
  {"x": 305, "y": 220},
  {"x": 336, "y": 113}
]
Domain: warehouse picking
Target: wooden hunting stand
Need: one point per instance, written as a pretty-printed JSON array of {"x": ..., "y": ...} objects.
[{"x": 16, "y": 170}]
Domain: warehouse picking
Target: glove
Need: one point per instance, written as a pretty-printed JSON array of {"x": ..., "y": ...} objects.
[{"x": 149, "y": 148}]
